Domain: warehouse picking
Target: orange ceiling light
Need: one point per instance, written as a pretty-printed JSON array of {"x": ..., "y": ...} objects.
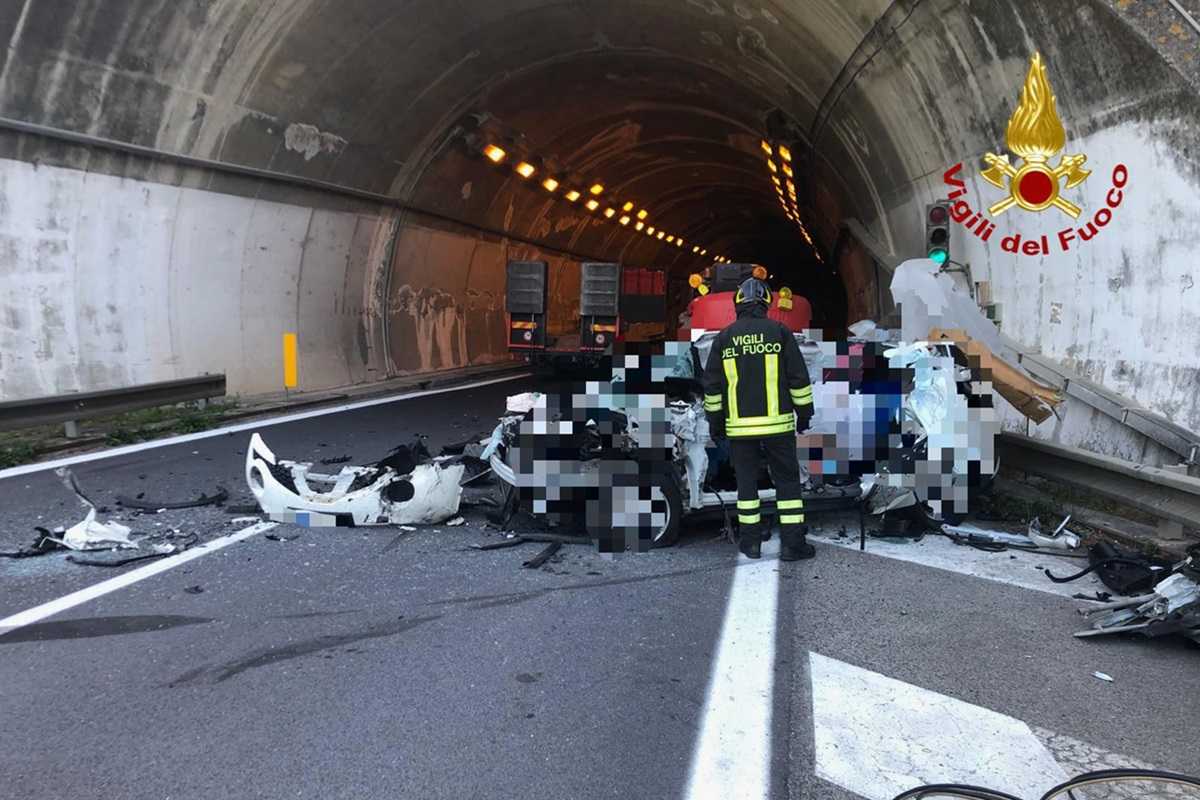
[
  {"x": 766, "y": 147},
  {"x": 650, "y": 231},
  {"x": 609, "y": 213},
  {"x": 639, "y": 225},
  {"x": 494, "y": 153},
  {"x": 572, "y": 196},
  {"x": 624, "y": 220},
  {"x": 784, "y": 153},
  {"x": 643, "y": 214},
  {"x": 550, "y": 185},
  {"x": 525, "y": 169},
  {"x": 592, "y": 205},
  {"x": 597, "y": 188},
  {"x": 627, "y": 207}
]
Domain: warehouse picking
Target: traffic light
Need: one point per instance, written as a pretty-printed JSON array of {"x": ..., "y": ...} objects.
[{"x": 937, "y": 232}]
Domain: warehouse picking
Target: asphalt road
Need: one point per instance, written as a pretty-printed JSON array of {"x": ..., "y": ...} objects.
[{"x": 375, "y": 663}]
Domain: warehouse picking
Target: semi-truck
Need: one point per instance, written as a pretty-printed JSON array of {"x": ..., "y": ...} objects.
[{"x": 616, "y": 303}]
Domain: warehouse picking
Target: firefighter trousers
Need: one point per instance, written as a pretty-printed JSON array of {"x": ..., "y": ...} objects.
[{"x": 780, "y": 454}]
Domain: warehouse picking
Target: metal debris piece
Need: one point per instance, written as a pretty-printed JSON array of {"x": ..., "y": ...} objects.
[
  {"x": 1173, "y": 607},
  {"x": 158, "y": 506},
  {"x": 335, "y": 460},
  {"x": 1104, "y": 676},
  {"x": 456, "y": 522},
  {"x": 500, "y": 545},
  {"x": 1061, "y": 539},
  {"x": 544, "y": 556},
  {"x": 243, "y": 520}
]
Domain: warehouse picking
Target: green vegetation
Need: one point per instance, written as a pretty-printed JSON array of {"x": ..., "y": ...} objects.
[
  {"x": 16, "y": 452},
  {"x": 151, "y": 423},
  {"x": 25, "y": 446}
]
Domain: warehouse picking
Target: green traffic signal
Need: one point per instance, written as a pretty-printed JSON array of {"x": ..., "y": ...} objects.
[{"x": 938, "y": 256}]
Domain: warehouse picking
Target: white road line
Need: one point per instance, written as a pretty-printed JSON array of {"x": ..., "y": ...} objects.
[
  {"x": 39, "y": 613},
  {"x": 1014, "y": 567},
  {"x": 732, "y": 757},
  {"x": 877, "y": 737},
  {"x": 26, "y": 469}
]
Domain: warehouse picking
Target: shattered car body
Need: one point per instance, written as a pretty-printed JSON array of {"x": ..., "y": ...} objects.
[
  {"x": 914, "y": 418},
  {"x": 383, "y": 494}
]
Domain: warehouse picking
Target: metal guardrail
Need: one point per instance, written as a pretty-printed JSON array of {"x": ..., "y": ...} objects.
[
  {"x": 1167, "y": 495},
  {"x": 69, "y": 408}
]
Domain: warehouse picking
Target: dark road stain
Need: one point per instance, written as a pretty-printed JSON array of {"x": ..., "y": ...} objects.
[
  {"x": 312, "y": 614},
  {"x": 96, "y": 626},
  {"x": 512, "y": 598},
  {"x": 275, "y": 655},
  {"x": 525, "y": 677}
]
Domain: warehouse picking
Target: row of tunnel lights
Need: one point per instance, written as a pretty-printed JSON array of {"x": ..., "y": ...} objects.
[
  {"x": 787, "y": 200},
  {"x": 497, "y": 155}
]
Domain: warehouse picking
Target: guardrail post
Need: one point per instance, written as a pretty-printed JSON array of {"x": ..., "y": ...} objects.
[{"x": 71, "y": 429}]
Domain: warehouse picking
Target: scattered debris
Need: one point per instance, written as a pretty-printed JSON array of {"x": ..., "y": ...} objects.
[
  {"x": 544, "y": 556},
  {"x": 158, "y": 506},
  {"x": 91, "y": 534},
  {"x": 1173, "y": 607},
  {"x": 500, "y": 545},
  {"x": 1098, "y": 597},
  {"x": 523, "y": 403},
  {"x": 407, "y": 528},
  {"x": 244, "y": 520},
  {"x": 1061, "y": 539},
  {"x": 335, "y": 460},
  {"x": 194, "y": 589},
  {"x": 1125, "y": 572},
  {"x": 1104, "y": 676},
  {"x": 456, "y": 522},
  {"x": 281, "y": 537},
  {"x": 405, "y": 487}
]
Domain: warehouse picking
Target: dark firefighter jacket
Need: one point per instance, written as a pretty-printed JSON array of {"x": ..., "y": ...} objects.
[{"x": 756, "y": 378}]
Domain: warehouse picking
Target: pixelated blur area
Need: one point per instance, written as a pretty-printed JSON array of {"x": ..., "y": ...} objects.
[
  {"x": 920, "y": 415},
  {"x": 604, "y": 448}
]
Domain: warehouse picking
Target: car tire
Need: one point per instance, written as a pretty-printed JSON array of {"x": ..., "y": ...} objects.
[{"x": 670, "y": 491}]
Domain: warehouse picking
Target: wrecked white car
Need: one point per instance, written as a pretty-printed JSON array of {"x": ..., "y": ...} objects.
[
  {"x": 634, "y": 457},
  {"x": 396, "y": 491}
]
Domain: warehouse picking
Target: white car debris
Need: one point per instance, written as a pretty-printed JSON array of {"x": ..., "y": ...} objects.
[{"x": 288, "y": 491}]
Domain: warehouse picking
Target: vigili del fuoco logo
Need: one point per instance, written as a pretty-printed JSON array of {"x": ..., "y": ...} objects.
[{"x": 1036, "y": 137}]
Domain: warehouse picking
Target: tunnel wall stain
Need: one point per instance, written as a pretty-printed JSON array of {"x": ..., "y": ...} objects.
[{"x": 111, "y": 282}]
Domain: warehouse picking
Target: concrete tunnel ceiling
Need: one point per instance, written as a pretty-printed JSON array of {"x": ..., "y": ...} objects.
[{"x": 665, "y": 103}]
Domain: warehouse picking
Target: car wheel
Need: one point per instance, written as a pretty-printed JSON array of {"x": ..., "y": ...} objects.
[{"x": 667, "y": 499}]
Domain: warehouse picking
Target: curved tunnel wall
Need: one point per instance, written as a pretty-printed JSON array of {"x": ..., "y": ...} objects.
[{"x": 664, "y": 102}]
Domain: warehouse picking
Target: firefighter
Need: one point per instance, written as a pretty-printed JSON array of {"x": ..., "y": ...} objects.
[{"x": 755, "y": 386}]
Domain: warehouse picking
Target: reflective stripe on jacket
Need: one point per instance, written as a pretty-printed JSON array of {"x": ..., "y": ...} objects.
[{"x": 756, "y": 379}]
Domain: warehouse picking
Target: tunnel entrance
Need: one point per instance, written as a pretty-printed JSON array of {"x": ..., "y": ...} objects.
[{"x": 654, "y": 162}]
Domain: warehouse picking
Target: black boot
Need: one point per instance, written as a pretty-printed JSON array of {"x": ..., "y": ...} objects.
[
  {"x": 795, "y": 546},
  {"x": 750, "y": 543}
]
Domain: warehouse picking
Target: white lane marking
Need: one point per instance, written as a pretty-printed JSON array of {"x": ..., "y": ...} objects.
[
  {"x": 41, "y": 466},
  {"x": 941, "y": 553},
  {"x": 877, "y": 737},
  {"x": 39, "y": 613},
  {"x": 732, "y": 757}
]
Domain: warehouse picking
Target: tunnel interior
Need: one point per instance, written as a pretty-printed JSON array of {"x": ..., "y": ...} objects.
[{"x": 320, "y": 167}]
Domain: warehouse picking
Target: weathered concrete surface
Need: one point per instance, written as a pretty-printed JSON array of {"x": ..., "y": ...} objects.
[
  {"x": 664, "y": 103},
  {"x": 1120, "y": 309}
]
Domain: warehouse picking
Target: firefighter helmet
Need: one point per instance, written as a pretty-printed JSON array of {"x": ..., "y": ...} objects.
[{"x": 752, "y": 291}]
